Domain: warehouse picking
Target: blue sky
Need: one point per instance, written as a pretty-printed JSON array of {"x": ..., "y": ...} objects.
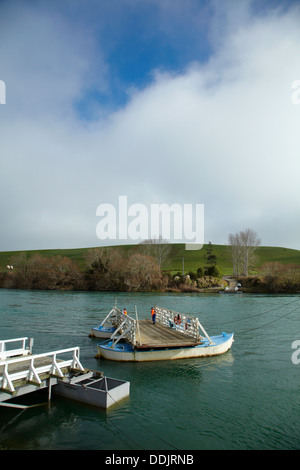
[
  {"x": 137, "y": 38},
  {"x": 165, "y": 101}
]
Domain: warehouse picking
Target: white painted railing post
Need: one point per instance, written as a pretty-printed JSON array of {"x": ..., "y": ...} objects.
[
  {"x": 30, "y": 345},
  {"x": 6, "y": 379},
  {"x": 55, "y": 366},
  {"x": 204, "y": 332},
  {"x": 34, "y": 366},
  {"x": 33, "y": 373},
  {"x": 76, "y": 363}
]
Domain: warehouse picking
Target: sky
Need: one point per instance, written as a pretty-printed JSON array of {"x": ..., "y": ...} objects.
[{"x": 161, "y": 101}]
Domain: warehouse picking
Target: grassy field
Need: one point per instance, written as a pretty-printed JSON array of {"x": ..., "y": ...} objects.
[{"x": 192, "y": 259}]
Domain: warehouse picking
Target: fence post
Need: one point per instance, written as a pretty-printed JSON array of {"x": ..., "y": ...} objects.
[{"x": 6, "y": 379}]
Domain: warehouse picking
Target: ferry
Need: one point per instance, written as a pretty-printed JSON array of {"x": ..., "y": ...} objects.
[
  {"x": 108, "y": 326},
  {"x": 172, "y": 336}
]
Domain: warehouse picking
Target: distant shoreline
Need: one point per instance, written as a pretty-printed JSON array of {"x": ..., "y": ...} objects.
[{"x": 130, "y": 268}]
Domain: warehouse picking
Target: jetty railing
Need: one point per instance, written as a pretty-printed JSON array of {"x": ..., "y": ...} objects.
[
  {"x": 6, "y": 347},
  {"x": 111, "y": 317},
  {"x": 185, "y": 324},
  {"x": 31, "y": 367},
  {"x": 125, "y": 327}
]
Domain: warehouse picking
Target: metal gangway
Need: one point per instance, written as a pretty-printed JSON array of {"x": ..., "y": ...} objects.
[
  {"x": 126, "y": 326},
  {"x": 132, "y": 329},
  {"x": 22, "y": 372}
]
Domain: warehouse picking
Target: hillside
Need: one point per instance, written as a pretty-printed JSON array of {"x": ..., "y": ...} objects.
[
  {"x": 192, "y": 259},
  {"x": 195, "y": 259}
]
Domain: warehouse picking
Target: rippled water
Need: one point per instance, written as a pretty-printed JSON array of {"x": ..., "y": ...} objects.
[{"x": 247, "y": 398}]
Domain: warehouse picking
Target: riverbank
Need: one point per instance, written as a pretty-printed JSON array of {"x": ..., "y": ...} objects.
[
  {"x": 133, "y": 269},
  {"x": 86, "y": 283},
  {"x": 252, "y": 285}
]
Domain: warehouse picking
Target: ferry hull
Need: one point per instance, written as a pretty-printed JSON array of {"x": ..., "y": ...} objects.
[
  {"x": 102, "y": 332},
  {"x": 125, "y": 353}
]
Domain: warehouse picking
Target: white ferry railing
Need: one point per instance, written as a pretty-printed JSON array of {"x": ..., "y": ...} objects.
[
  {"x": 31, "y": 369},
  {"x": 185, "y": 324},
  {"x": 23, "y": 349},
  {"x": 125, "y": 327},
  {"x": 111, "y": 317}
]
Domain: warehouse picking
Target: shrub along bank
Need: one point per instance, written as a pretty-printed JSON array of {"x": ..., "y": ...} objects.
[
  {"x": 103, "y": 270},
  {"x": 130, "y": 269}
]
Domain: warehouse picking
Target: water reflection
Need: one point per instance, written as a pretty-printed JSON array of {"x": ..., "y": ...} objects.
[{"x": 246, "y": 398}]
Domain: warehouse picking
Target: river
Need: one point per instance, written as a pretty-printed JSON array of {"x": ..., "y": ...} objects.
[{"x": 248, "y": 398}]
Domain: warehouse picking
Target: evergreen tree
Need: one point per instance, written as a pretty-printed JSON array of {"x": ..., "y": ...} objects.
[{"x": 211, "y": 259}]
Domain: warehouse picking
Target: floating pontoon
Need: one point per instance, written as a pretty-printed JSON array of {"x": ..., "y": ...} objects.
[{"x": 22, "y": 372}]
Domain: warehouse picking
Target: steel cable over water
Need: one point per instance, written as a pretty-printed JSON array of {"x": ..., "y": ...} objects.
[
  {"x": 123, "y": 434},
  {"x": 261, "y": 313},
  {"x": 269, "y": 323},
  {"x": 151, "y": 432},
  {"x": 242, "y": 332}
]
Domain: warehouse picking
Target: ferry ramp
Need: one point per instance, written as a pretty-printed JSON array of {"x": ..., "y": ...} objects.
[{"x": 157, "y": 335}]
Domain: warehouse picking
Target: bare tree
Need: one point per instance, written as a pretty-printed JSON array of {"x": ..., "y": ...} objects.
[
  {"x": 96, "y": 259},
  {"x": 250, "y": 242},
  {"x": 158, "y": 248},
  {"x": 235, "y": 244},
  {"x": 243, "y": 246},
  {"x": 143, "y": 273},
  {"x": 20, "y": 262}
]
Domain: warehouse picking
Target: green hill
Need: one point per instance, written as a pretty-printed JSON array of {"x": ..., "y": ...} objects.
[
  {"x": 179, "y": 256},
  {"x": 194, "y": 259}
]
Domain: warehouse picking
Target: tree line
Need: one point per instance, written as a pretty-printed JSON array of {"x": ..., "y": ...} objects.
[
  {"x": 107, "y": 269},
  {"x": 104, "y": 269},
  {"x": 116, "y": 269},
  {"x": 274, "y": 277}
]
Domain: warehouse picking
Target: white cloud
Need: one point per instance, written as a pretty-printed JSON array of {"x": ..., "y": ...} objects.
[
  {"x": 224, "y": 133},
  {"x": 46, "y": 62}
]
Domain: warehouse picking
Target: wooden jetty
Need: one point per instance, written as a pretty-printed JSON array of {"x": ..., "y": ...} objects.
[{"x": 22, "y": 372}]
